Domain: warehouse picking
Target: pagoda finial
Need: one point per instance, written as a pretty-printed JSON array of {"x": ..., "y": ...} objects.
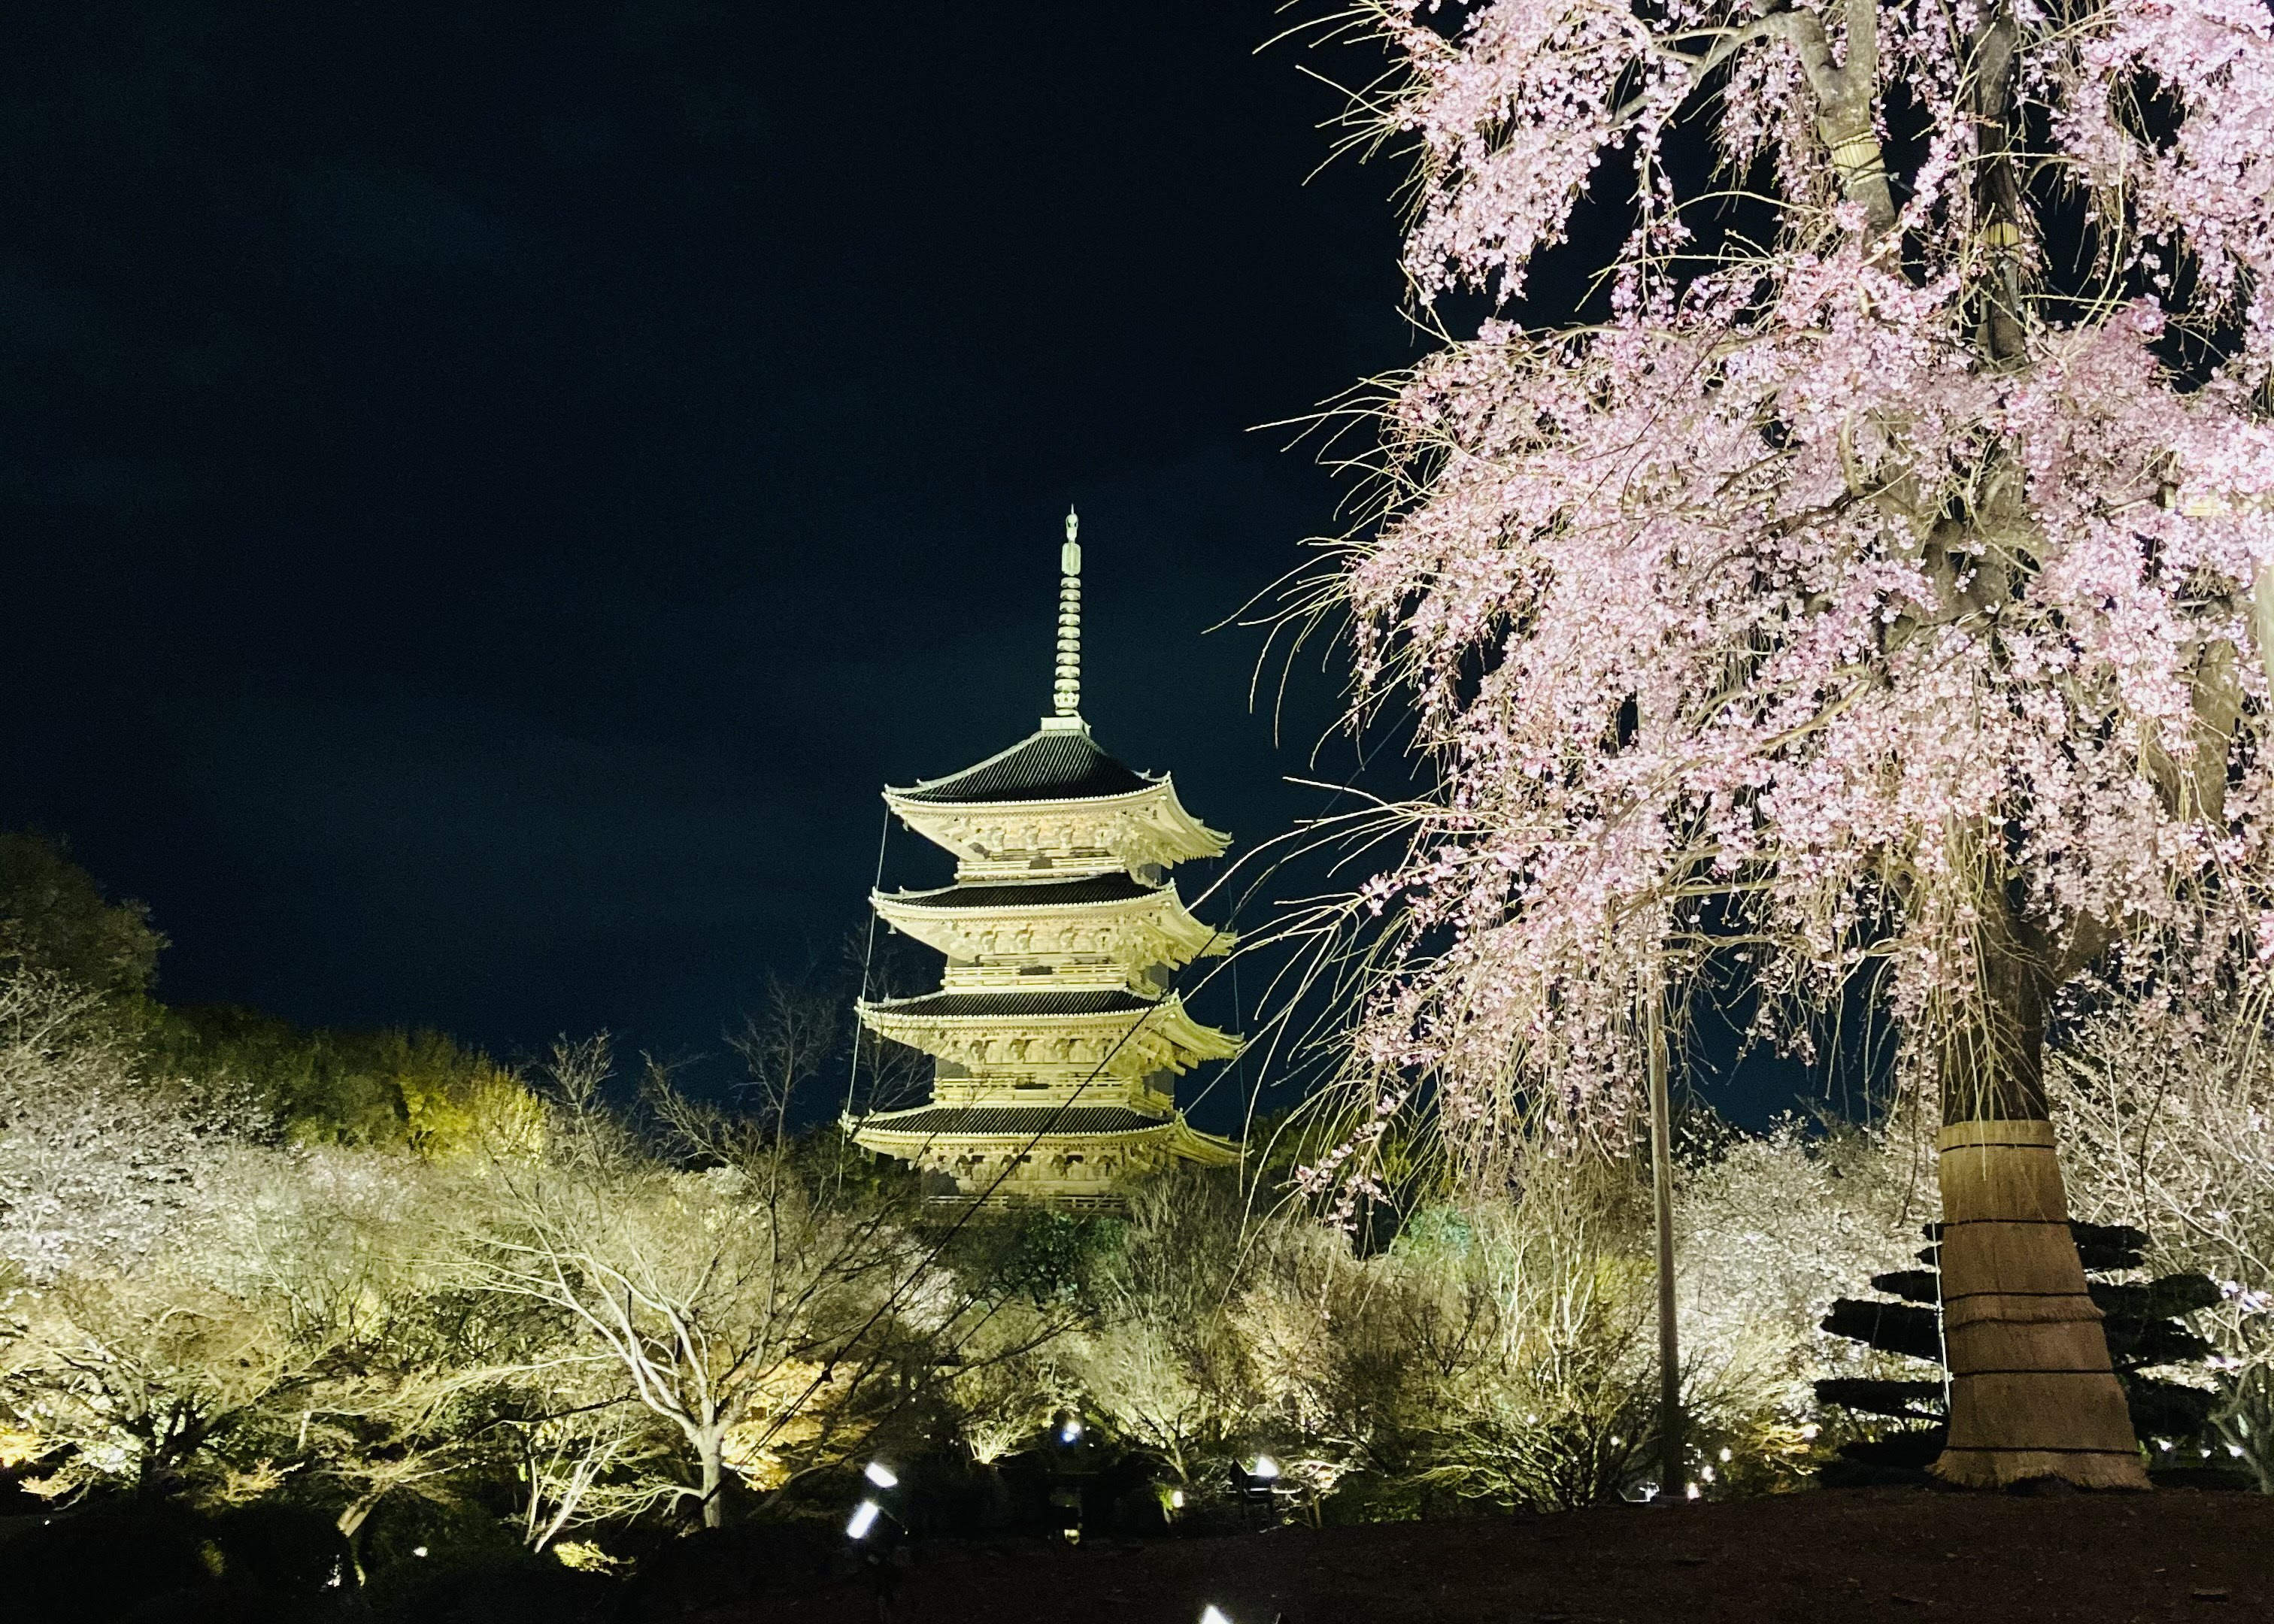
[{"x": 1066, "y": 692}]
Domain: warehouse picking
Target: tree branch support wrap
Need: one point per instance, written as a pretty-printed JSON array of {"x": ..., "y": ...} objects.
[
  {"x": 2032, "y": 1393},
  {"x": 1862, "y": 167}
]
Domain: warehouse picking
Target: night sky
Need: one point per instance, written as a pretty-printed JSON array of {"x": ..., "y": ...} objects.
[{"x": 491, "y": 490}]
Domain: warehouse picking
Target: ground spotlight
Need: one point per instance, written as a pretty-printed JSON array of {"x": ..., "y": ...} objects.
[
  {"x": 1070, "y": 1432},
  {"x": 1257, "y": 1486},
  {"x": 864, "y": 1518},
  {"x": 1177, "y": 1499},
  {"x": 879, "y": 1474},
  {"x": 1213, "y": 1614}
]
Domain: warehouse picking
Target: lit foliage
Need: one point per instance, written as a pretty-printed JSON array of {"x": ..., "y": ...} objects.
[
  {"x": 356, "y": 1329},
  {"x": 1772, "y": 1229},
  {"x": 736, "y": 1302},
  {"x": 55, "y": 919},
  {"x": 1013, "y": 1378},
  {"x": 2171, "y": 1105},
  {"x": 1857, "y": 588},
  {"x": 235, "y": 1347},
  {"x": 378, "y": 1088},
  {"x": 1496, "y": 1352},
  {"x": 97, "y": 1163},
  {"x": 1162, "y": 1366},
  {"x": 190, "y": 1308}
]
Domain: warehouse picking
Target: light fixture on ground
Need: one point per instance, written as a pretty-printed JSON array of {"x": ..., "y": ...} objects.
[
  {"x": 1071, "y": 1432},
  {"x": 880, "y": 1474},
  {"x": 1257, "y": 1484},
  {"x": 863, "y": 1519},
  {"x": 1213, "y": 1614}
]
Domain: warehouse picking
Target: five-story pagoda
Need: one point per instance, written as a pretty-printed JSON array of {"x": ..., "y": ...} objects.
[{"x": 1056, "y": 1036}]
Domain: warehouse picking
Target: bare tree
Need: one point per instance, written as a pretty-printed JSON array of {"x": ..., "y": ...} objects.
[
  {"x": 1166, "y": 1363},
  {"x": 741, "y": 1308},
  {"x": 609, "y": 1461},
  {"x": 792, "y": 1040}
]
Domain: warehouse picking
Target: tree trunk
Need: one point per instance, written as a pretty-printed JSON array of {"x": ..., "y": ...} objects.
[
  {"x": 351, "y": 1523},
  {"x": 711, "y": 1449},
  {"x": 2031, "y": 1392}
]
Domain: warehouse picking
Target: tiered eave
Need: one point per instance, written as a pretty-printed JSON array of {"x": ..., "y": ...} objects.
[
  {"x": 1054, "y": 800},
  {"x": 1111, "y": 919}
]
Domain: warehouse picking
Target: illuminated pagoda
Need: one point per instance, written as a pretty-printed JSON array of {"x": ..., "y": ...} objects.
[{"x": 1055, "y": 1038}]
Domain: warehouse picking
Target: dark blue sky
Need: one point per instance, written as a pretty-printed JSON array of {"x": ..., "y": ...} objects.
[{"x": 490, "y": 490}]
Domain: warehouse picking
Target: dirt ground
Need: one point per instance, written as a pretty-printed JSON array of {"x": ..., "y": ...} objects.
[{"x": 1860, "y": 1554}]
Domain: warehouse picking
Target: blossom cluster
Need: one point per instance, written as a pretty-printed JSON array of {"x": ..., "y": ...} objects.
[{"x": 1777, "y": 615}]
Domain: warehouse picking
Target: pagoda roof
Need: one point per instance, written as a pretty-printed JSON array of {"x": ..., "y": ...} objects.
[
  {"x": 1118, "y": 887},
  {"x": 1040, "y": 1125},
  {"x": 1017, "y": 1001},
  {"x": 1053, "y": 763},
  {"x": 1148, "y": 1032},
  {"x": 1053, "y": 792},
  {"x": 1042, "y": 1121},
  {"x": 1138, "y": 923}
]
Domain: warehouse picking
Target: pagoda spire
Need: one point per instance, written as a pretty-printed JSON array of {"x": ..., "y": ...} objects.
[{"x": 1066, "y": 691}]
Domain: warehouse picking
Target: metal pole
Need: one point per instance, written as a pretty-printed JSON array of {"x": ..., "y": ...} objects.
[{"x": 1673, "y": 1475}]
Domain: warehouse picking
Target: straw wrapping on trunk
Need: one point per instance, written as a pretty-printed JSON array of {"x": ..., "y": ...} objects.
[{"x": 2032, "y": 1391}]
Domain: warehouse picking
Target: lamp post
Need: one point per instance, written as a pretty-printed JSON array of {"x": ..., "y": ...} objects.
[
  {"x": 874, "y": 1533},
  {"x": 1670, "y": 1463},
  {"x": 1074, "y": 1466}
]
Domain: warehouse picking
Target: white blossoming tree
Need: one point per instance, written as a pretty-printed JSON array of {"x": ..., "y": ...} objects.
[
  {"x": 96, "y": 1162},
  {"x": 2169, "y": 1108},
  {"x": 1867, "y": 590}
]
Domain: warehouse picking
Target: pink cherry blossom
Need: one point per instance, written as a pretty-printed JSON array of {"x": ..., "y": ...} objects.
[{"x": 1784, "y": 605}]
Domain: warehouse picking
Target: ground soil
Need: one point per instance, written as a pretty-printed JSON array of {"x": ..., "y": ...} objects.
[{"x": 1833, "y": 1554}]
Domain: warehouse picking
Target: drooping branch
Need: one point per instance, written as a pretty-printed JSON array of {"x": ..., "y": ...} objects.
[{"x": 1847, "y": 97}]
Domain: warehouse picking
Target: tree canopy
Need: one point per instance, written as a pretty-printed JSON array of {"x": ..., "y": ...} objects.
[{"x": 1868, "y": 587}]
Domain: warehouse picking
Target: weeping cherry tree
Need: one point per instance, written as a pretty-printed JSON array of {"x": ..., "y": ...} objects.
[{"x": 1867, "y": 593}]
